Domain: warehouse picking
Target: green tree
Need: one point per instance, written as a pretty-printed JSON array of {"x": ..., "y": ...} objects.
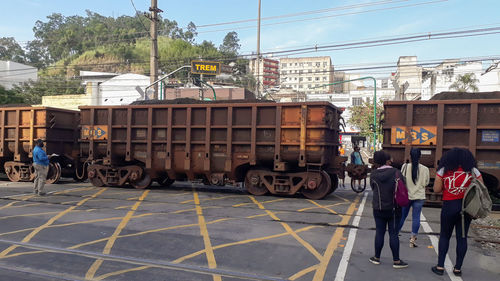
[
  {"x": 230, "y": 45},
  {"x": 9, "y": 97},
  {"x": 362, "y": 117},
  {"x": 11, "y": 50},
  {"x": 465, "y": 83}
]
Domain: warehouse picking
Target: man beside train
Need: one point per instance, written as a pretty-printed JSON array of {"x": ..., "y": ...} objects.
[{"x": 41, "y": 165}]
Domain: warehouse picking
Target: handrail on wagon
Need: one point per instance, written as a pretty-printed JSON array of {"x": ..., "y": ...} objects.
[
  {"x": 165, "y": 76},
  {"x": 374, "y": 102}
]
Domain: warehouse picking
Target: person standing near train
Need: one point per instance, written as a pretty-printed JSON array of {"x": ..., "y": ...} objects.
[
  {"x": 416, "y": 178},
  {"x": 41, "y": 165},
  {"x": 386, "y": 213},
  {"x": 456, "y": 169}
]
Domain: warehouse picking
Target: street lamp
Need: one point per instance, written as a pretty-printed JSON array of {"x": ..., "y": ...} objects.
[{"x": 374, "y": 103}]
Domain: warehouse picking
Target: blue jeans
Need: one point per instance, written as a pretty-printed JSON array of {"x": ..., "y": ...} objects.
[
  {"x": 387, "y": 220},
  {"x": 415, "y": 215}
]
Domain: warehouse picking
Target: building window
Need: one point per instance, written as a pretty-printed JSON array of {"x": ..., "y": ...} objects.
[
  {"x": 300, "y": 86},
  {"x": 309, "y": 78},
  {"x": 318, "y": 64},
  {"x": 300, "y": 79},
  {"x": 316, "y": 79},
  {"x": 283, "y": 65},
  {"x": 310, "y": 71},
  {"x": 357, "y": 101},
  {"x": 324, "y": 64},
  {"x": 324, "y": 78}
]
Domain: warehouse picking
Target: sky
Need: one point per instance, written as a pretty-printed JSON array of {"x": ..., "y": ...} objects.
[{"x": 320, "y": 23}]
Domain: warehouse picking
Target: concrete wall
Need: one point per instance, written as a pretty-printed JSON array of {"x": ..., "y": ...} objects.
[
  {"x": 12, "y": 73},
  {"x": 67, "y": 101}
]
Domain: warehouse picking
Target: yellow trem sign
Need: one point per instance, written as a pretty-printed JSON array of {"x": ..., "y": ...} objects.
[
  {"x": 416, "y": 135},
  {"x": 205, "y": 67}
]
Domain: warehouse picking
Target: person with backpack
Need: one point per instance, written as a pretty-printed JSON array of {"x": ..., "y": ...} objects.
[
  {"x": 416, "y": 177},
  {"x": 386, "y": 212},
  {"x": 457, "y": 168}
]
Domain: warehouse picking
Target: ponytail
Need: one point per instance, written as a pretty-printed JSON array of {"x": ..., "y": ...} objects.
[{"x": 415, "y": 157}]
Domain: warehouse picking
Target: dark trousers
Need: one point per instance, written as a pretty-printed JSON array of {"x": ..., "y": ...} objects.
[
  {"x": 452, "y": 219},
  {"x": 387, "y": 219}
]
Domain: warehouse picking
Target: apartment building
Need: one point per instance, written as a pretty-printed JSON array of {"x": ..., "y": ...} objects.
[
  {"x": 307, "y": 75},
  {"x": 268, "y": 72}
]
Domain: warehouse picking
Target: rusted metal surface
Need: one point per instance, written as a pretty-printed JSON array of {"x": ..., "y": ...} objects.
[
  {"x": 21, "y": 126},
  {"x": 436, "y": 126},
  {"x": 219, "y": 143}
]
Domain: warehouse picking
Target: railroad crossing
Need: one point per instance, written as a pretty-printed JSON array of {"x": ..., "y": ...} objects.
[{"x": 195, "y": 232}]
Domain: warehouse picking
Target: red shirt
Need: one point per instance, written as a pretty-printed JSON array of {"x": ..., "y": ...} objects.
[{"x": 453, "y": 182}]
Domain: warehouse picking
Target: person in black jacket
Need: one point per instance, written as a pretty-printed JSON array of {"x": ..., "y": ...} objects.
[{"x": 385, "y": 211}]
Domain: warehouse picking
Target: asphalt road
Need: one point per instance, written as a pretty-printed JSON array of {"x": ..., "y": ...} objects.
[{"x": 194, "y": 232}]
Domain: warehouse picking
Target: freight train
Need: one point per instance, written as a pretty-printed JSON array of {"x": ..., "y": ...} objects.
[
  {"x": 435, "y": 126},
  {"x": 278, "y": 148}
]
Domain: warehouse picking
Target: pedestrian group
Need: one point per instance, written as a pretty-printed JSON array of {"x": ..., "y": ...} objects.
[{"x": 456, "y": 169}]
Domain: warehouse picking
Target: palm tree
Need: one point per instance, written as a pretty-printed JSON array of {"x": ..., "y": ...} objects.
[{"x": 465, "y": 83}]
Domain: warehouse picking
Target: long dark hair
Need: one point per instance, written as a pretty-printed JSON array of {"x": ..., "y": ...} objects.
[
  {"x": 455, "y": 158},
  {"x": 415, "y": 157}
]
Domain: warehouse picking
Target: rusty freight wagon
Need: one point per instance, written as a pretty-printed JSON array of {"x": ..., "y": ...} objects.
[
  {"x": 436, "y": 126},
  {"x": 279, "y": 148},
  {"x": 21, "y": 126}
]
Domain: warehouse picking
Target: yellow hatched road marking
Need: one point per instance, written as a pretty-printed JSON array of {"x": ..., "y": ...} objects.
[
  {"x": 8, "y": 205},
  {"x": 288, "y": 229},
  {"x": 265, "y": 202},
  {"x": 75, "y": 189},
  {"x": 111, "y": 241},
  {"x": 48, "y": 223},
  {"x": 327, "y": 206},
  {"x": 104, "y": 276},
  {"x": 206, "y": 238},
  {"x": 304, "y": 272},
  {"x": 323, "y": 207},
  {"x": 210, "y": 199},
  {"x": 334, "y": 242}
]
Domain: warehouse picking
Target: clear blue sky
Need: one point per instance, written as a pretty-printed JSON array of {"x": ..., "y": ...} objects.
[{"x": 367, "y": 20}]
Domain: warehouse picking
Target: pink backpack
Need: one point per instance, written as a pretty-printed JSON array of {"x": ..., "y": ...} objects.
[{"x": 401, "y": 192}]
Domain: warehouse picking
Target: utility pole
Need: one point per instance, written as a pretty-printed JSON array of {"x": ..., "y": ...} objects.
[
  {"x": 153, "y": 64},
  {"x": 257, "y": 90}
]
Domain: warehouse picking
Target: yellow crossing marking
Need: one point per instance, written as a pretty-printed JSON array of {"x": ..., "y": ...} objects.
[
  {"x": 48, "y": 223},
  {"x": 8, "y": 205},
  {"x": 334, "y": 242},
  {"x": 206, "y": 238},
  {"x": 75, "y": 189},
  {"x": 210, "y": 199},
  {"x": 247, "y": 241},
  {"x": 304, "y": 272},
  {"x": 265, "y": 202},
  {"x": 111, "y": 241},
  {"x": 288, "y": 229},
  {"x": 28, "y": 205},
  {"x": 323, "y": 207},
  {"x": 328, "y": 206},
  {"x": 104, "y": 276}
]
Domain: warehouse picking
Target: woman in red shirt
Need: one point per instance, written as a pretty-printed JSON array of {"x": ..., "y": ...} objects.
[{"x": 456, "y": 169}]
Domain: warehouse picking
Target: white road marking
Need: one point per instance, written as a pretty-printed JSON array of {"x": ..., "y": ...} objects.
[
  {"x": 342, "y": 269},
  {"x": 435, "y": 243}
]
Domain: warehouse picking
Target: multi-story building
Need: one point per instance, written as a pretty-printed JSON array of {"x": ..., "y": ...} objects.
[
  {"x": 408, "y": 79},
  {"x": 268, "y": 73},
  {"x": 307, "y": 75}
]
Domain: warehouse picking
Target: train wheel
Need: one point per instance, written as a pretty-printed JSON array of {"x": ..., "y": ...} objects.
[
  {"x": 142, "y": 183},
  {"x": 254, "y": 185},
  {"x": 335, "y": 182},
  {"x": 360, "y": 187},
  {"x": 54, "y": 173},
  {"x": 165, "y": 181},
  {"x": 96, "y": 182},
  {"x": 12, "y": 172},
  {"x": 322, "y": 190}
]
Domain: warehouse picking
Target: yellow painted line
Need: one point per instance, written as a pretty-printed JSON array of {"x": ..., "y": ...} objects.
[
  {"x": 342, "y": 198},
  {"x": 8, "y": 205},
  {"x": 111, "y": 241},
  {"x": 288, "y": 229},
  {"x": 48, "y": 223},
  {"x": 211, "y": 199},
  {"x": 75, "y": 189},
  {"x": 334, "y": 242},
  {"x": 124, "y": 207},
  {"x": 265, "y": 202},
  {"x": 104, "y": 276},
  {"x": 263, "y": 215},
  {"x": 22, "y": 254},
  {"x": 206, "y": 238},
  {"x": 247, "y": 241},
  {"x": 323, "y": 207},
  {"x": 28, "y": 205},
  {"x": 329, "y": 206},
  {"x": 133, "y": 198},
  {"x": 69, "y": 202},
  {"x": 29, "y": 215},
  {"x": 303, "y": 272}
]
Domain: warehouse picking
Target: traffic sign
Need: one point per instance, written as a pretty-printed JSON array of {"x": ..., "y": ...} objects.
[
  {"x": 205, "y": 67},
  {"x": 416, "y": 135}
]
